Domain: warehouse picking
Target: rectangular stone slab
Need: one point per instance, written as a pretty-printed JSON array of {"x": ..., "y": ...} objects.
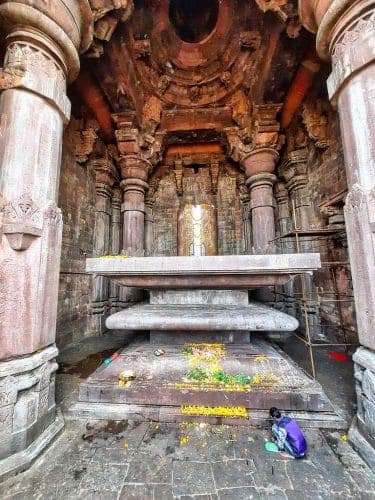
[
  {"x": 219, "y": 271},
  {"x": 161, "y": 381},
  {"x": 207, "y": 317}
]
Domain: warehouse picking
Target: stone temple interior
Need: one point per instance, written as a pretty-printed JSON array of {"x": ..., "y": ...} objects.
[{"x": 207, "y": 191}]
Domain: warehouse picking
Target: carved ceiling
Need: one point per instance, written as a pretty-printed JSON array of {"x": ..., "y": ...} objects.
[{"x": 194, "y": 65}]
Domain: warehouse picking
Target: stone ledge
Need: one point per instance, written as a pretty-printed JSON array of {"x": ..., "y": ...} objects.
[
  {"x": 22, "y": 460},
  {"x": 28, "y": 362},
  {"x": 144, "y": 413}
]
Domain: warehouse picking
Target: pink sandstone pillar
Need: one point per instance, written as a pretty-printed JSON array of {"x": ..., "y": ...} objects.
[
  {"x": 346, "y": 36},
  {"x": 134, "y": 172},
  {"x": 259, "y": 166},
  {"x": 41, "y": 56}
]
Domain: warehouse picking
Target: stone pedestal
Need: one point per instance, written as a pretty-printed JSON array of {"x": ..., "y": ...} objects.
[
  {"x": 346, "y": 34},
  {"x": 41, "y": 54}
]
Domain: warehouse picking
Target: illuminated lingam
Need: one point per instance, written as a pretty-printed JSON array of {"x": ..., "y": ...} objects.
[{"x": 197, "y": 230}]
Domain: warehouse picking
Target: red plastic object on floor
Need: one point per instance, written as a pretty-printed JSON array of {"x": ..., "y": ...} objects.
[{"x": 338, "y": 356}]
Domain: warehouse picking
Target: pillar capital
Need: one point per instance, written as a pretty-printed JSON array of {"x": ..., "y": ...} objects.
[
  {"x": 346, "y": 35},
  {"x": 62, "y": 27},
  {"x": 105, "y": 172},
  {"x": 281, "y": 193},
  {"x": 260, "y": 160},
  {"x": 294, "y": 167},
  {"x": 135, "y": 167}
]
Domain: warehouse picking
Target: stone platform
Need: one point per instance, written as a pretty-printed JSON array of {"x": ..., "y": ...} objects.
[
  {"x": 164, "y": 391},
  {"x": 208, "y": 317},
  {"x": 216, "y": 272}
]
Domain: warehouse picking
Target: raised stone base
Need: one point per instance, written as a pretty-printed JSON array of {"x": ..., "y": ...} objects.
[
  {"x": 362, "y": 432},
  {"x": 27, "y": 407},
  {"x": 161, "y": 388},
  {"x": 21, "y": 461}
]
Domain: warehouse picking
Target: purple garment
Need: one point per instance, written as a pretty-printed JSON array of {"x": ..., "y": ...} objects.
[{"x": 294, "y": 436}]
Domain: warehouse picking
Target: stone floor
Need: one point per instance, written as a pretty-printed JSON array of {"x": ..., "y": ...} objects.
[
  {"x": 148, "y": 460},
  {"x": 164, "y": 461}
]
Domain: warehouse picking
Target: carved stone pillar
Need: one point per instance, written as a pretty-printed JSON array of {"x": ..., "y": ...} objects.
[
  {"x": 116, "y": 244},
  {"x": 294, "y": 171},
  {"x": 245, "y": 216},
  {"x": 105, "y": 177},
  {"x": 259, "y": 166},
  {"x": 346, "y": 34},
  {"x": 134, "y": 171},
  {"x": 285, "y": 245},
  {"x": 41, "y": 54}
]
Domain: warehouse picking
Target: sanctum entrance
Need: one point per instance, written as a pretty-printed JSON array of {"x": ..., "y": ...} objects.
[{"x": 184, "y": 169}]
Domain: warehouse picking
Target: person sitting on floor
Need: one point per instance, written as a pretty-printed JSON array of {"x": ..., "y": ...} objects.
[{"x": 288, "y": 435}]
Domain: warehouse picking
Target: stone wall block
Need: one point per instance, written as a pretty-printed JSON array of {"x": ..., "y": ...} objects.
[
  {"x": 369, "y": 415},
  {"x": 25, "y": 411},
  {"x": 8, "y": 391},
  {"x": 358, "y": 372},
  {"x": 360, "y": 408},
  {"x": 6, "y": 421},
  {"x": 368, "y": 385}
]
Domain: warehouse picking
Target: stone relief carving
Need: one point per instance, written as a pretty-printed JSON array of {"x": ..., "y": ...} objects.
[
  {"x": 316, "y": 120},
  {"x": 107, "y": 15},
  {"x": 352, "y": 51},
  {"x": 22, "y": 221},
  {"x": 22, "y": 57}
]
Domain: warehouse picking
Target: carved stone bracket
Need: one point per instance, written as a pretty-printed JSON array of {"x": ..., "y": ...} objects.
[
  {"x": 294, "y": 168},
  {"x": 23, "y": 221},
  {"x": 315, "y": 118},
  {"x": 107, "y": 15},
  {"x": 266, "y": 129}
]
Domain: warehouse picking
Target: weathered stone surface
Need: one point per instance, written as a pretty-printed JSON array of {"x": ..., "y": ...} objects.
[
  {"x": 194, "y": 297},
  {"x": 161, "y": 383},
  {"x": 27, "y": 408},
  {"x": 254, "y": 317},
  {"x": 368, "y": 385}
]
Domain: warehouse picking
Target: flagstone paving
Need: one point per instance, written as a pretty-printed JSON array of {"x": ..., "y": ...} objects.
[{"x": 147, "y": 460}]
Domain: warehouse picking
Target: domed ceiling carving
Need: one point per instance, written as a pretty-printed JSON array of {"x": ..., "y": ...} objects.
[{"x": 174, "y": 56}]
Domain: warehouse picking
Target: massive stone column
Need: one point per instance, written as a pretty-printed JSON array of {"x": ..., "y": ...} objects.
[
  {"x": 346, "y": 35},
  {"x": 41, "y": 56},
  {"x": 134, "y": 171},
  {"x": 259, "y": 166}
]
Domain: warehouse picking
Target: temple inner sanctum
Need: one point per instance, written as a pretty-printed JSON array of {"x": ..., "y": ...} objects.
[{"x": 196, "y": 177}]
